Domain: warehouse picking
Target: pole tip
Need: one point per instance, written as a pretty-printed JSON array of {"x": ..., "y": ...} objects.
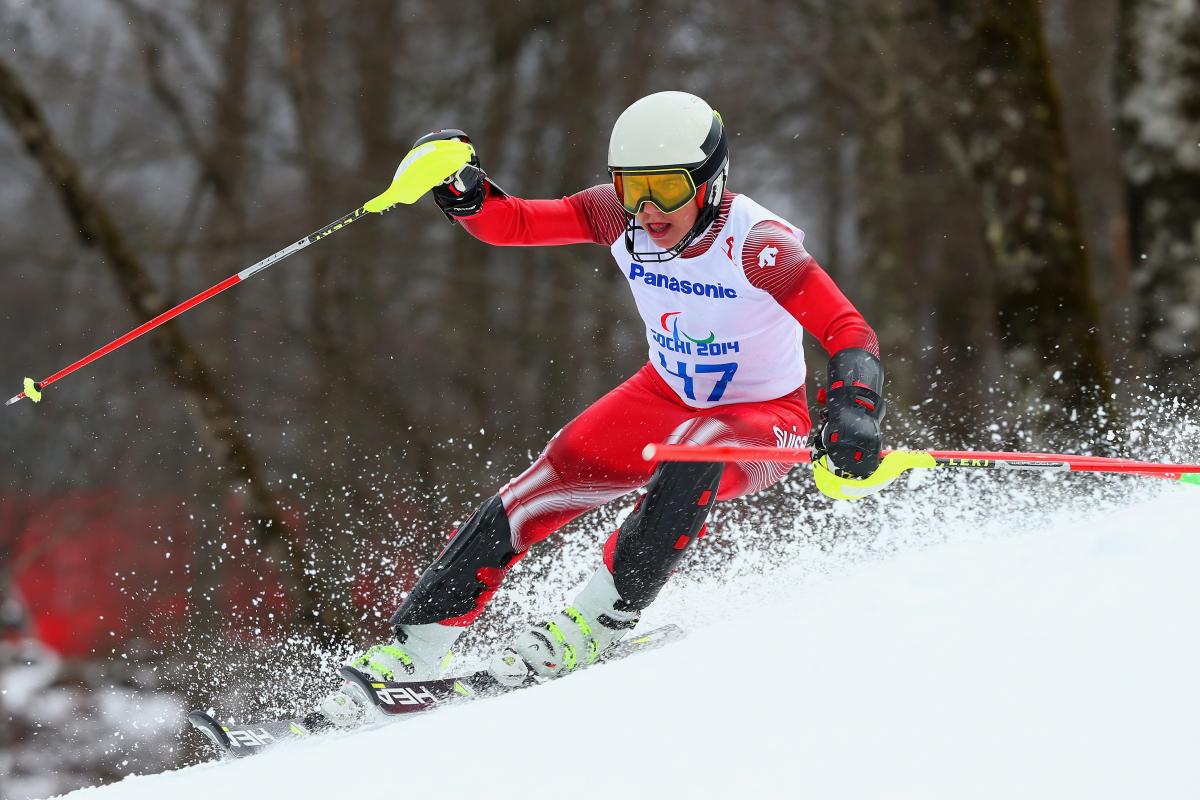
[{"x": 649, "y": 452}]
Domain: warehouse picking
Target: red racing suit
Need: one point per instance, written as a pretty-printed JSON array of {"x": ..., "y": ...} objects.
[{"x": 597, "y": 456}]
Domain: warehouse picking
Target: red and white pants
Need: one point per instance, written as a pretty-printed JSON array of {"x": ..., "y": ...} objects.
[{"x": 597, "y": 457}]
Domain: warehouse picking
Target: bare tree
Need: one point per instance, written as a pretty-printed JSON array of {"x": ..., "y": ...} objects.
[
  {"x": 1009, "y": 138},
  {"x": 214, "y": 412}
]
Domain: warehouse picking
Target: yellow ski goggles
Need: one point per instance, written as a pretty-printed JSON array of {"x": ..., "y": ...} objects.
[{"x": 669, "y": 189}]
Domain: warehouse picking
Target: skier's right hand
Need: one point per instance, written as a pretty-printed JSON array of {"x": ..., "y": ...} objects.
[
  {"x": 848, "y": 431},
  {"x": 462, "y": 193}
]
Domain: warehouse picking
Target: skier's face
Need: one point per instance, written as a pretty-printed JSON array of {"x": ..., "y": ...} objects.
[{"x": 665, "y": 230}]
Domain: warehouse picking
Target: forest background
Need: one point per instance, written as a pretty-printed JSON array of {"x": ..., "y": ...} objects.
[{"x": 1008, "y": 190}]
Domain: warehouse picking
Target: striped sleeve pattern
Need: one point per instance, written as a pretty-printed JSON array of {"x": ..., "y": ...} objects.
[
  {"x": 701, "y": 245},
  {"x": 775, "y": 261},
  {"x": 602, "y": 213},
  {"x": 593, "y": 215}
]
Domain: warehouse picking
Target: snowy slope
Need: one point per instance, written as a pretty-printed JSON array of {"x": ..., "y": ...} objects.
[{"x": 1055, "y": 662}]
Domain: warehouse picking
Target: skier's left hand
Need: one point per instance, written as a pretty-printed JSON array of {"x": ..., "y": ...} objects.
[
  {"x": 848, "y": 431},
  {"x": 461, "y": 194}
]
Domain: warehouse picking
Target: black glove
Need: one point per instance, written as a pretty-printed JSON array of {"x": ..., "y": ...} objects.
[
  {"x": 461, "y": 194},
  {"x": 852, "y": 409}
]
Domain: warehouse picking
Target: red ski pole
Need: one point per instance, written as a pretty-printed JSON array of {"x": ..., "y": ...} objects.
[
  {"x": 967, "y": 459},
  {"x": 423, "y": 168}
]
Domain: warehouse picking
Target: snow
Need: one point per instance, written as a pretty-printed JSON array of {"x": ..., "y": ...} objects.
[
  {"x": 68, "y": 731},
  {"x": 1055, "y": 661},
  {"x": 36, "y": 666}
]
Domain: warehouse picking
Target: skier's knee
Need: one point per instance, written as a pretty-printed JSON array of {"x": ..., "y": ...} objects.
[
  {"x": 466, "y": 574},
  {"x": 703, "y": 430},
  {"x": 654, "y": 536}
]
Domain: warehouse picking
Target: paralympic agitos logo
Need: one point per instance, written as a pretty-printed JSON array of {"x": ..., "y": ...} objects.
[
  {"x": 680, "y": 341},
  {"x": 674, "y": 317}
]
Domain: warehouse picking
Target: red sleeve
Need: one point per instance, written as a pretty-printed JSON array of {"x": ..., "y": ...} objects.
[
  {"x": 593, "y": 215},
  {"x": 775, "y": 261}
]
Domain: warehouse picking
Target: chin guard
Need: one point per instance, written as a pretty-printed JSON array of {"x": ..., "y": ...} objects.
[{"x": 894, "y": 464}]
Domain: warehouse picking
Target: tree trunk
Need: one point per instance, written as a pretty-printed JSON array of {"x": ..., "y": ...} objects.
[
  {"x": 569, "y": 344},
  {"x": 215, "y": 414},
  {"x": 1008, "y": 127},
  {"x": 887, "y": 260}
]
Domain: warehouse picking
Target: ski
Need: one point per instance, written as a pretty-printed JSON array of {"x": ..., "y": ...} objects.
[
  {"x": 242, "y": 740},
  {"x": 393, "y": 699}
]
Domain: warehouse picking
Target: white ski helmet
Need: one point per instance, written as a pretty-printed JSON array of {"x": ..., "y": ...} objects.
[{"x": 669, "y": 149}]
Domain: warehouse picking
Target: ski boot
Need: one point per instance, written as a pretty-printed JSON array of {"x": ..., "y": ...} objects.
[
  {"x": 418, "y": 652},
  {"x": 575, "y": 637}
]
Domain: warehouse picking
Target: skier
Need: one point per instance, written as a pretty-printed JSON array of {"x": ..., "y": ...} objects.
[{"x": 725, "y": 288}]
